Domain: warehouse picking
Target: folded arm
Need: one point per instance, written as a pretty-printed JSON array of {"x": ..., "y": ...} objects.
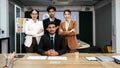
[{"x": 68, "y": 33}]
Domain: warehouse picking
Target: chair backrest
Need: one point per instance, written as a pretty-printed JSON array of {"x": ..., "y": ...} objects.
[{"x": 109, "y": 49}]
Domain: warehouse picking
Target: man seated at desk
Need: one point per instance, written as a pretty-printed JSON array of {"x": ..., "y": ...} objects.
[{"x": 52, "y": 44}]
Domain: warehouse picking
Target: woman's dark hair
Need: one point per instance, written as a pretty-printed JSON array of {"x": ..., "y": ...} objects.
[
  {"x": 36, "y": 11},
  {"x": 51, "y": 7},
  {"x": 33, "y": 10},
  {"x": 67, "y": 10}
]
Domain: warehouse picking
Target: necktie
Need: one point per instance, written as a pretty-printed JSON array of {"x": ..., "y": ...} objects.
[{"x": 51, "y": 42}]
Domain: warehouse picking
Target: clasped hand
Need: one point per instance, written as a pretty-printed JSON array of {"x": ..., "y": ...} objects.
[{"x": 51, "y": 52}]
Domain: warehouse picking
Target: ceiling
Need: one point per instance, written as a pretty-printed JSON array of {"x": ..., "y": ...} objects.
[{"x": 57, "y": 2}]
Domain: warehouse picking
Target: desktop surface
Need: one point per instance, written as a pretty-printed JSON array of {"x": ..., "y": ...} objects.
[{"x": 71, "y": 62}]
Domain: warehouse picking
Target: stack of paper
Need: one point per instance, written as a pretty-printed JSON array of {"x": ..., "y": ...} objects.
[
  {"x": 57, "y": 58},
  {"x": 37, "y": 57},
  {"x": 91, "y": 58}
]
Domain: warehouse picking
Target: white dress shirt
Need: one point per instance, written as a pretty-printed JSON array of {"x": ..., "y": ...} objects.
[
  {"x": 31, "y": 30},
  {"x": 52, "y": 19},
  {"x": 67, "y": 26},
  {"x": 53, "y": 37}
]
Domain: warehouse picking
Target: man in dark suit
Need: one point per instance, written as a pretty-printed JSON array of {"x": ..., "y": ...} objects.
[
  {"x": 52, "y": 44},
  {"x": 51, "y": 11}
]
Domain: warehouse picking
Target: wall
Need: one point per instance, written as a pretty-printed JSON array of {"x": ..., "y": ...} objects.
[
  {"x": 0, "y": 16},
  {"x": 86, "y": 20},
  {"x": 4, "y": 17},
  {"x": 11, "y": 26},
  {"x": 59, "y": 8},
  {"x": 116, "y": 26},
  {"x": 103, "y": 25}
]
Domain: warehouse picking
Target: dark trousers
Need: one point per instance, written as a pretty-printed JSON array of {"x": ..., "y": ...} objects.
[{"x": 33, "y": 47}]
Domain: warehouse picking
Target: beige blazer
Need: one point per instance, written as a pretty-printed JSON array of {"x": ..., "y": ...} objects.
[{"x": 69, "y": 35}]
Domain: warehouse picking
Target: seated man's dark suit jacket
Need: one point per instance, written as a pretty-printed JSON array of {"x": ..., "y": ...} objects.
[
  {"x": 60, "y": 44},
  {"x": 45, "y": 24}
]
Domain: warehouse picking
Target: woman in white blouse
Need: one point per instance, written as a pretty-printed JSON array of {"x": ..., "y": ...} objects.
[{"x": 33, "y": 30}]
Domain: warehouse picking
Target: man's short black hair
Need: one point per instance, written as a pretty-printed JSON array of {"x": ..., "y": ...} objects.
[
  {"x": 51, "y": 23},
  {"x": 51, "y": 7}
]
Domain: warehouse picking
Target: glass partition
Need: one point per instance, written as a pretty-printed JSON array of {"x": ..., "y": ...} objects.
[{"x": 18, "y": 46}]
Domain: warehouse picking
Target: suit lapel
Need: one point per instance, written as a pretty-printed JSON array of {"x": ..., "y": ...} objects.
[
  {"x": 47, "y": 38},
  {"x": 70, "y": 24},
  {"x": 48, "y": 20},
  {"x": 49, "y": 41},
  {"x": 55, "y": 40},
  {"x": 64, "y": 27}
]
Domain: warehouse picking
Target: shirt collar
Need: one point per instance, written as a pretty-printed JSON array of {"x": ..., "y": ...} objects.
[
  {"x": 33, "y": 21},
  {"x": 68, "y": 21},
  {"x": 51, "y": 19},
  {"x": 52, "y": 35}
]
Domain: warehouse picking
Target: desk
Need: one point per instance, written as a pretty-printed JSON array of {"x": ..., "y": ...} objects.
[
  {"x": 72, "y": 62},
  {"x": 4, "y": 44}
]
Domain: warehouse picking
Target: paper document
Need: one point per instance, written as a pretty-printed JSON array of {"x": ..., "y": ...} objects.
[
  {"x": 57, "y": 58},
  {"x": 55, "y": 62},
  {"x": 37, "y": 57},
  {"x": 91, "y": 58}
]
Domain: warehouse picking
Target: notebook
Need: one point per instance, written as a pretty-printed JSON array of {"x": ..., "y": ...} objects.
[
  {"x": 116, "y": 59},
  {"x": 105, "y": 58},
  {"x": 91, "y": 58}
]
